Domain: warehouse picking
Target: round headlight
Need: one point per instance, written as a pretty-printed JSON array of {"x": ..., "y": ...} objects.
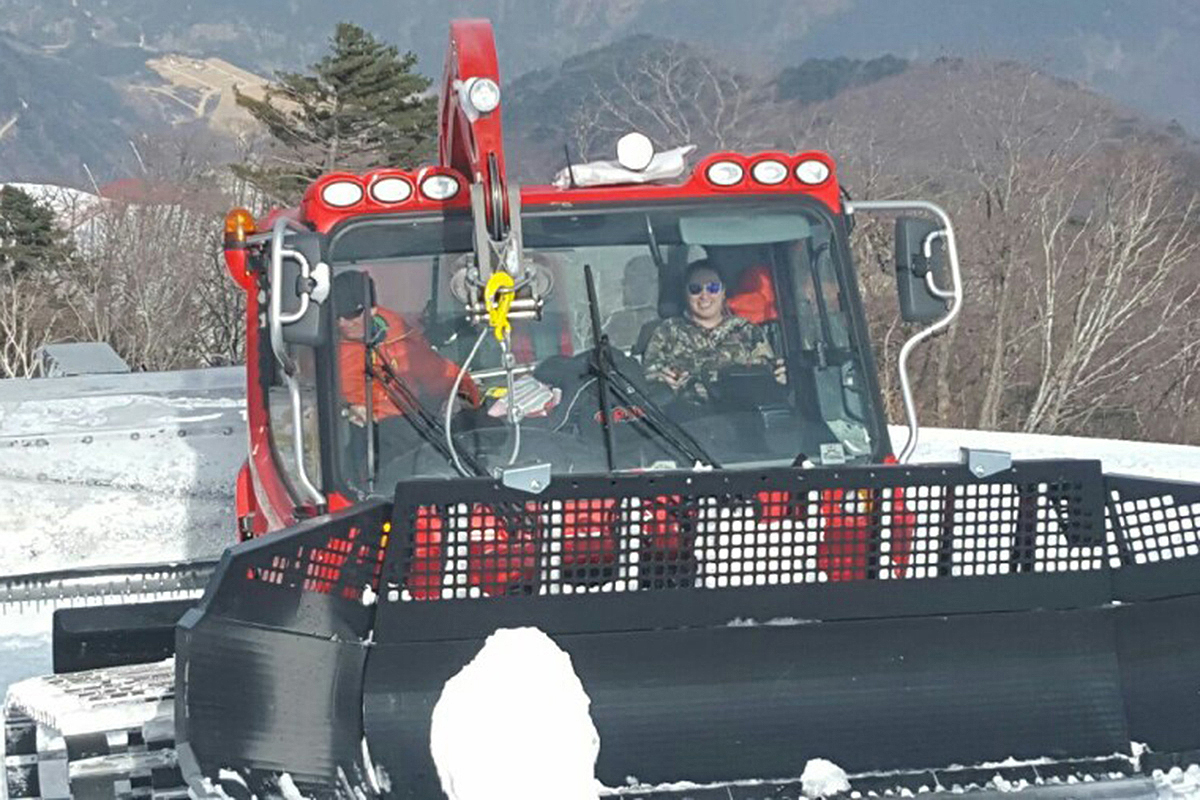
[
  {"x": 725, "y": 173},
  {"x": 391, "y": 190},
  {"x": 769, "y": 172},
  {"x": 483, "y": 94},
  {"x": 812, "y": 172},
  {"x": 341, "y": 194},
  {"x": 439, "y": 187}
]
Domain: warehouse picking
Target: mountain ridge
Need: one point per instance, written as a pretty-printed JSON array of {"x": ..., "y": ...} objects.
[{"x": 94, "y": 51}]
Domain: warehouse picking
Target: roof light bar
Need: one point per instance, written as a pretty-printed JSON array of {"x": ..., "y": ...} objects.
[
  {"x": 439, "y": 187},
  {"x": 812, "y": 172},
  {"x": 725, "y": 173},
  {"x": 341, "y": 194},
  {"x": 769, "y": 172},
  {"x": 391, "y": 190}
]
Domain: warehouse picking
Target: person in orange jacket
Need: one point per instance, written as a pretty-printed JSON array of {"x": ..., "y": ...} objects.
[{"x": 399, "y": 354}]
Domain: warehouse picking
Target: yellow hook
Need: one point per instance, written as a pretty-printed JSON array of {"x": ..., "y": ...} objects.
[{"x": 497, "y": 297}]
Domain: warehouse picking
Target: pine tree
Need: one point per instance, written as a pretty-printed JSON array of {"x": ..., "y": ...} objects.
[
  {"x": 30, "y": 239},
  {"x": 359, "y": 107}
]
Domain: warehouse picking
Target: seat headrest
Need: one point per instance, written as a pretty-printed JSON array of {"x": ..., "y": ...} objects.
[
  {"x": 351, "y": 289},
  {"x": 670, "y": 292},
  {"x": 754, "y": 299},
  {"x": 639, "y": 282}
]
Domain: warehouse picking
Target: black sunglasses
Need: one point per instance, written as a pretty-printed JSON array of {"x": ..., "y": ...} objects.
[{"x": 713, "y": 287}]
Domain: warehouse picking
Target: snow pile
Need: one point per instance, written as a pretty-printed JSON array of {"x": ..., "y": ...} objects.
[
  {"x": 1176, "y": 462},
  {"x": 1002, "y": 784},
  {"x": 822, "y": 778},
  {"x": 287, "y": 788},
  {"x": 514, "y": 724},
  {"x": 1178, "y": 784}
]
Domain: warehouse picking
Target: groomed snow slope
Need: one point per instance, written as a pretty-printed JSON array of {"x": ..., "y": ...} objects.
[
  {"x": 1146, "y": 459},
  {"x": 114, "y": 469}
]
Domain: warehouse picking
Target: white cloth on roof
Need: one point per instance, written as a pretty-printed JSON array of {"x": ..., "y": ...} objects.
[{"x": 664, "y": 166}]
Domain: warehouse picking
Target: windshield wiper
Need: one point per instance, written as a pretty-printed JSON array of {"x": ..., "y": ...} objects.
[
  {"x": 415, "y": 414},
  {"x": 627, "y": 391}
]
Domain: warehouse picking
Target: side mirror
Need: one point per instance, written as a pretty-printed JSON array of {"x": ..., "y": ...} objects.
[
  {"x": 917, "y": 302},
  {"x": 303, "y": 286}
]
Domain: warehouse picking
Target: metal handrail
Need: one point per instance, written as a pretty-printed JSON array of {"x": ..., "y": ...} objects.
[
  {"x": 276, "y": 320},
  {"x": 275, "y": 313}
]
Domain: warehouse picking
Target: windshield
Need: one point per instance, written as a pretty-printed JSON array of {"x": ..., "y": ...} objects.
[{"x": 725, "y": 343}]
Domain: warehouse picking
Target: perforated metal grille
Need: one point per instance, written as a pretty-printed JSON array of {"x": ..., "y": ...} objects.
[
  {"x": 1153, "y": 521},
  {"x": 323, "y": 566},
  {"x": 781, "y": 527},
  {"x": 716, "y": 531},
  {"x": 333, "y": 565}
]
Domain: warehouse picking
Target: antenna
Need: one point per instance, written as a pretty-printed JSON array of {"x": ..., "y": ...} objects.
[{"x": 570, "y": 167}]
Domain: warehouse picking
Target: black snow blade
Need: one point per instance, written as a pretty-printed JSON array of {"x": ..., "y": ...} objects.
[
  {"x": 726, "y": 626},
  {"x": 269, "y": 665},
  {"x": 109, "y": 636}
]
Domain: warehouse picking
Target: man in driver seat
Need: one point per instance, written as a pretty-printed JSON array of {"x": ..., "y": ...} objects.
[{"x": 687, "y": 352}]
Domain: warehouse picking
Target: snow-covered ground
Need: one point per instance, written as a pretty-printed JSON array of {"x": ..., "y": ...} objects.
[
  {"x": 113, "y": 469},
  {"x": 1147, "y": 459},
  {"x": 23, "y": 654}
]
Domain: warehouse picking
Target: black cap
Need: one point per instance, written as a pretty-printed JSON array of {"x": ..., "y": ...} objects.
[{"x": 350, "y": 289}]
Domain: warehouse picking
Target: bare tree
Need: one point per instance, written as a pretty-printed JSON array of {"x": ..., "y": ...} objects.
[
  {"x": 675, "y": 96},
  {"x": 152, "y": 283},
  {"x": 866, "y": 169},
  {"x": 155, "y": 290},
  {"x": 26, "y": 322},
  {"x": 1080, "y": 268},
  {"x": 1182, "y": 391},
  {"x": 586, "y": 129},
  {"x": 1116, "y": 294}
]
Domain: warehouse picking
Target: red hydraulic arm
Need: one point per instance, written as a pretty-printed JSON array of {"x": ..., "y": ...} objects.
[{"x": 470, "y": 138}]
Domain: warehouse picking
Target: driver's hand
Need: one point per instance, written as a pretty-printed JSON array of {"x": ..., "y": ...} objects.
[
  {"x": 468, "y": 392},
  {"x": 675, "y": 378},
  {"x": 780, "y": 371},
  {"x": 357, "y": 414}
]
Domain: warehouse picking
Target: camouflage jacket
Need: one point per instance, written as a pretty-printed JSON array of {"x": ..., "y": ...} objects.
[{"x": 681, "y": 345}]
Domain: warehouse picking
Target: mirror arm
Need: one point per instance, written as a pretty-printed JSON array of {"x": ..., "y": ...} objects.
[
  {"x": 303, "y": 286},
  {"x": 936, "y": 290},
  {"x": 306, "y": 483},
  {"x": 927, "y": 251},
  {"x": 275, "y": 314},
  {"x": 955, "y": 296}
]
